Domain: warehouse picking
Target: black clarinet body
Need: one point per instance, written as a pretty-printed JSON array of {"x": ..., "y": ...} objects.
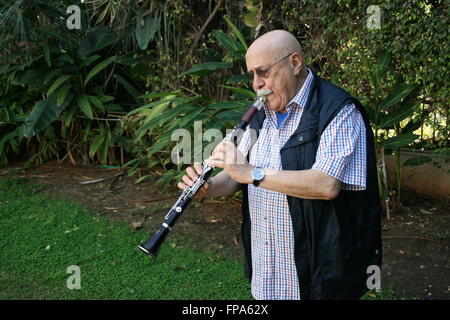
[{"x": 151, "y": 247}]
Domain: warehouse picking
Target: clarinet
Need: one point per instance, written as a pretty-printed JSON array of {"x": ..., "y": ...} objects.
[{"x": 151, "y": 247}]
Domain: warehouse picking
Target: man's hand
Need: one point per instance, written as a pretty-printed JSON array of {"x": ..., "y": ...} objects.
[
  {"x": 228, "y": 157},
  {"x": 191, "y": 177}
]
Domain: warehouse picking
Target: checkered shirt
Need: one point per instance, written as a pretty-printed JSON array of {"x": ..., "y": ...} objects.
[{"x": 341, "y": 154}]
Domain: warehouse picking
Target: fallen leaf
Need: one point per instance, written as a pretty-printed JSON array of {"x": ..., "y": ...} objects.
[
  {"x": 425, "y": 211},
  {"x": 137, "y": 225}
]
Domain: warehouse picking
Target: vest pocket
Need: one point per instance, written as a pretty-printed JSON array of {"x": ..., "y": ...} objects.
[{"x": 301, "y": 137}]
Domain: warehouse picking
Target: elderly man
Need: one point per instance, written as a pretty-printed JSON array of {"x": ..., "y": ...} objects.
[{"x": 311, "y": 215}]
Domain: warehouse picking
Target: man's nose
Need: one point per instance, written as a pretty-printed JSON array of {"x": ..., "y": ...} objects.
[{"x": 258, "y": 82}]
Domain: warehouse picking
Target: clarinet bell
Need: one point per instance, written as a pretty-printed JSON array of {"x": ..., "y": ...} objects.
[{"x": 151, "y": 247}]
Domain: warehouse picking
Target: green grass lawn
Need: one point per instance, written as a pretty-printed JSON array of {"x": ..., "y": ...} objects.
[{"x": 40, "y": 237}]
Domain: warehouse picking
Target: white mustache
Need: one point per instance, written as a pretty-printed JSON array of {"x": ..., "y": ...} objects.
[{"x": 263, "y": 92}]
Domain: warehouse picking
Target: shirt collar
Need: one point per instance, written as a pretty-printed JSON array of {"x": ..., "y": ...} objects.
[
  {"x": 302, "y": 95},
  {"x": 300, "y": 98}
]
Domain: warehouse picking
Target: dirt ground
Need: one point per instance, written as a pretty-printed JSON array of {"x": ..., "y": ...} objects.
[{"x": 416, "y": 262}]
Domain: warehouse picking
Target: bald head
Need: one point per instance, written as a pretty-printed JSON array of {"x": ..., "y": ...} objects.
[
  {"x": 275, "y": 44},
  {"x": 275, "y": 62}
]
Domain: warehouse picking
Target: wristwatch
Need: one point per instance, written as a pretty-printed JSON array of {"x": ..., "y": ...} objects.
[{"x": 257, "y": 176}]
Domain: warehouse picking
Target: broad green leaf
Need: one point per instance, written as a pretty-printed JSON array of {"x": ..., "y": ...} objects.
[
  {"x": 229, "y": 105},
  {"x": 105, "y": 99},
  {"x": 142, "y": 178},
  {"x": 62, "y": 94},
  {"x": 162, "y": 143},
  {"x": 8, "y": 137},
  {"x": 153, "y": 105},
  {"x": 398, "y": 115},
  {"x": 66, "y": 58},
  {"x": 96, "y": 144},
  {"x": 399, "y": 141},
  {"x": 244, "y": 92},
  {"x": 417, "y": 161},
  {"x": 412, "y": 126},
  {"x": 43, "y": 113},
  {"x": 62, "y": 36},
  {"x": 237, "y": 33},
  {"x": 397, "y": 95},
  {"x": 164, "y": 117},
  {"x": 229, "y": 115},
  {"x": 191, "y": 117},
  {"x": 84, "y": 104},
  {"x": 97, "y": 40},
  {"x": 238, "y": 79},
  {"x": 153, "y": 95},
  {"x": 49, "y": 76},
  {"x": 47, "y": 54},
  {"x": 384, "y": 60},
  {"x": 250, "y": 14},
  {"x": 156, "y": 110},
  {"x": 128, "y": 59},
  {"x": 27, "y": 78},
  {"x": 207, "y": 68},
  {"x": 233, "y": 46},
  {"x": 99, "y": 67},
  {"x": 96, "y": 102},
  {"x": 89, "y": 60},
  {"x": 114, "y": 107},
  {"x": 57, "y": 83},
  {"x": 67, "y": 117},
  {"x": 131, "y": 90},
  {"x": 146, "y": 28}
]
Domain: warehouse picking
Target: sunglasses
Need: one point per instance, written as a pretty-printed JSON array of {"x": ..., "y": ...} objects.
[{"x": 263, "y": 72}]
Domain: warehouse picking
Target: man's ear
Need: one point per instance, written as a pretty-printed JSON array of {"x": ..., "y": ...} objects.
[{"x": 297, "y": 63}]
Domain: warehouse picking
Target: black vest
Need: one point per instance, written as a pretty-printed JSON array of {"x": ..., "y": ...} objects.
[{"x": 335, "y": 240}]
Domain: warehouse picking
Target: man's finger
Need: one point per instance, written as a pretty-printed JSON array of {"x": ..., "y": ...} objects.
[
  {"x": 215, "y": 163},
  {"x": 187, "y": 181},
  {"x": 191, "y": 173},
  {"x": 228, "y": 143},
  {"x": 198, "y": 167},
  {"x": 217, "y": 156},
  {"x": 219, "y": 148}
]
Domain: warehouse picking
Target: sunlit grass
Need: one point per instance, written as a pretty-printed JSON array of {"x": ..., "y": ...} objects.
[{"x": 41, "y": 237}]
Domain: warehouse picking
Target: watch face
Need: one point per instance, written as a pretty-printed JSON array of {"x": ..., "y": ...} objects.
[{"x": 258, "y": 174}]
